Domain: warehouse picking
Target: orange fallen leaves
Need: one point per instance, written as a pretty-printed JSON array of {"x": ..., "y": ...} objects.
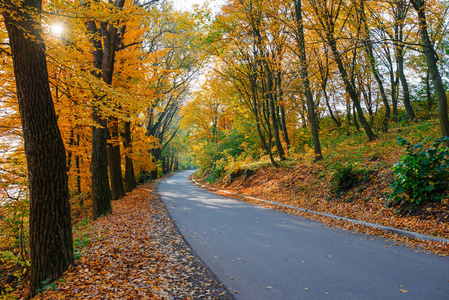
[{"x": 137, "y": 253}]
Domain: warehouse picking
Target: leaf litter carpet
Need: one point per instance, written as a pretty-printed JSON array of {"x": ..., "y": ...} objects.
[{"x": 137, "y": 253}]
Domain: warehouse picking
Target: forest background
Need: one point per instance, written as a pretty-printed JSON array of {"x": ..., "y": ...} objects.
[{"x": 326, "y": 86}]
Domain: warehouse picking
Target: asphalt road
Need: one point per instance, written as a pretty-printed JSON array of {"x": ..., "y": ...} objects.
[{"x": 260, "y": 253}]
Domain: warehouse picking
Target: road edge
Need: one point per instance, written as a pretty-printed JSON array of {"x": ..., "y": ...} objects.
[
  {"x": 397, "y": 231},
  {"x": 208, "y": 269}
]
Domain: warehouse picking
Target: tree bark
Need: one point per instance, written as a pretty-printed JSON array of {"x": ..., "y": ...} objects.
[
  {"x": 399, "y": 49},
  {"x": 101, "y": 193},
  {"x": 115, "y": 161},
  {"x": 51, "y": 242},
  {"x": 282, "y": 110},
  {"x": 130, "y": 177},
  {"x": 109, "y": 33},
  {"x": 431, "y": 59},
  {"x": 428, "y": 94},
  {"x": 349, "y": 87},
  {"x": 370, "y": 53},
  {"x": 305, "y": 79}
]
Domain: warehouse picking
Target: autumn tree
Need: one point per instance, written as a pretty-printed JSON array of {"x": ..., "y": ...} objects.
[
  {"x": 429, "y": 52},
  {"x": 400, "y": 10},
  {"x": 250, "y": 39},
  {"x": 369, "y": 50},
  {"x": 51, "y": 241},
  {"x": 179, "y": 36},
  {"x": 305, "y": 78},
  {"x": 328, "y": 16}
]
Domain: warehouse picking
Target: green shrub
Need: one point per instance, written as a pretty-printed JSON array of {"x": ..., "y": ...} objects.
[
  {"x": 345, "y": 177},
  {"x": 420, "y": 176}
]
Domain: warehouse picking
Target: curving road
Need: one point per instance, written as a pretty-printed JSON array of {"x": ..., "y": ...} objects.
[{"x": 260, "y": 253}]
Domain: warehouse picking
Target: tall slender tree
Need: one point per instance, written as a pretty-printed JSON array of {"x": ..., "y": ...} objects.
[
  {"x": 327, "y": 13},
  {"x": 305, "y": 78},
  {"x": 431, "y": 58},
  {"x": 400, "y": 11}
]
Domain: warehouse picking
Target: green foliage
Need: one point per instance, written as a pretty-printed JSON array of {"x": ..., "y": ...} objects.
[
  {"x": 47, "y": 284},
  {"x": 14, "y": 239},
  {"x": 420, "y": 176},
  {"x": 83, "y": 236},
  {"x": 144, "y": 177},
  {"x": 345, "y": 177},
  {"x": 223, "y": 155}
]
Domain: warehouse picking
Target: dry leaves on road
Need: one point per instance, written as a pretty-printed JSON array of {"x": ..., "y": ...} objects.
[{"x": 137, "y": 253}]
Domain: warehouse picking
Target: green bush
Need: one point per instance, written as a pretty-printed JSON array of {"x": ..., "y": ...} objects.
[
  {"x": 345, "y": 177},
  {"x": 420, "y": 176}
]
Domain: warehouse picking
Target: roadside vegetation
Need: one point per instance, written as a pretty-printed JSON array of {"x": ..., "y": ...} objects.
[
  {"x": 399, "y": 180},
  {"x": 337, "y": 106}
]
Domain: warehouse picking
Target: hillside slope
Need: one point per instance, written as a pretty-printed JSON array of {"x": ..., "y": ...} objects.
[{"x": 300, "y": 182}]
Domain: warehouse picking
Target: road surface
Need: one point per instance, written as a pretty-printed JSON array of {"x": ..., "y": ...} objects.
[{"x": 260, "y": 253}]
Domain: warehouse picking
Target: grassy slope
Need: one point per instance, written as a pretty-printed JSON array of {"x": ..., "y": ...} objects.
[{"x": 302, "y": 183}]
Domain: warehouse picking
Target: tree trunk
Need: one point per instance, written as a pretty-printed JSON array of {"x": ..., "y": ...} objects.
[
  {"x": 368, "y": 102},
  {"x": 130, "y": 177},
  {"x": 428, "y": 94},
  {"x": 349, "y": 87},
  {"x": 109, "y": 33},
  {"x": 400, "y": 63},
  {"x": 255, "y": 110},
  {"x": 348, "y": 110},
  {"x": 394, "y": 81},
  {"x": 431, "y": 59},
  {"x": 326, "y": 97},
  {"x": 51, "y": 242},
  {"x": 115, "y": 161},
  {"x": 101, "y": 193},
  {"x": 274, "y": 117},
  {"x": 282, "y": 110},
  {"x": 355, "y": 118},
  {"x": 78, "y": 171},
  {"x": 370, "y": 53},
  {"x": 306, "y": 83}
]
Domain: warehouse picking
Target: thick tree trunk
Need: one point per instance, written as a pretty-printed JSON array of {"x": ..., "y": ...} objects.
[
  {"x": 101, "y": 193},
  {"x": 115, "y": 161},
  {"x": 431, "y": 59},
  {"x": 51, "y": 242},
  {"x": 428, "y": 93},
  {"x": 305, "y": 79},
  {"x": 130, "y": 177},
  {"x": 113, "y": 149}
]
